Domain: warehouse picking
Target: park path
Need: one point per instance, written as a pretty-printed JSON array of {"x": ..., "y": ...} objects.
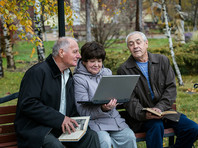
[{"x": 54, "y": 36}]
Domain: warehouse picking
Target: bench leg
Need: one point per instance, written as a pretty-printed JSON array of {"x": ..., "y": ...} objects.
[{"x": 171, "y": 140}]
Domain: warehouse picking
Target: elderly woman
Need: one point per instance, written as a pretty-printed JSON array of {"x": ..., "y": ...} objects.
[{"x": 104, "y": 119}]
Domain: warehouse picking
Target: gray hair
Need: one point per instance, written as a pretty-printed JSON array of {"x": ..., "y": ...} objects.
[
  {"x": 136, "y": 32},
  {"x": 61, "y": 43}
]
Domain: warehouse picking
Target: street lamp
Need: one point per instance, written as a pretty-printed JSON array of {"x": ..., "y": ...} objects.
[{"x": 61, "y": 18}]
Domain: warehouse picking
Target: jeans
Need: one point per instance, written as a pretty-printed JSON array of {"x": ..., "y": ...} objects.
[
  {"x": 186, "y": 131},
  {"x": 118, "y": 139}
]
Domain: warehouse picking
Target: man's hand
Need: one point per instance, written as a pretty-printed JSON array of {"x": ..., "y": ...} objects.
[
  {"x": 68, "y": 125},
  {"x": 111, "y": 105},
  {"x": 152, "y": 116}
]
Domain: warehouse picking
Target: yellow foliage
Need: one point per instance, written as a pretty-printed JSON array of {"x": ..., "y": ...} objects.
[
  {"x": 33, "y": 51},
  {"x": 4, "y": 25},
  {"x": 12, "y": 27},
  {"x": 103, "y": 5},
  {"x": 20, "y": 36},
  {"x": 2, "y": 3},
  {"x": 16, "y": 14},
  {"x": 6, "y": 11}
]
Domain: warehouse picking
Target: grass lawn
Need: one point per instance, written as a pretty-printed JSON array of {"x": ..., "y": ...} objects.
[{"x": 187, "y": 98}]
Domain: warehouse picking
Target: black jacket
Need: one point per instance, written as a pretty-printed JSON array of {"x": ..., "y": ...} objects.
[
  {"x": 162, "y": 80},
  {"x": 38, "y": 104}
]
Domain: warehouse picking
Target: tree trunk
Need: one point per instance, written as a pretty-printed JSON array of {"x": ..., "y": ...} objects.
[
  {"x": 1, "y": 62},
  {"x": 195, "y": 17},
  {"x": 8, "y": 47},
  {"x": 138, "y": 26},
  {"x": 43, "y": 21},
  {"x": 168, "y": 31},
  {"x": 180, "y": 2},
  {"x": 38, "y": 32},
  {"x": 88, "y": 20},
  {"x": 1, "y": 67}
]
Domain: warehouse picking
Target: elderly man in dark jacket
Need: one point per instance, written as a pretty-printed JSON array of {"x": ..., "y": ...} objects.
[
  {"x": 46, "y": 101},
  {"x": 155, "y": 89}
]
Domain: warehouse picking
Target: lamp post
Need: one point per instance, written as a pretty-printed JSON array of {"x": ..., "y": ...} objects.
[{"x": 61, "y": 18}]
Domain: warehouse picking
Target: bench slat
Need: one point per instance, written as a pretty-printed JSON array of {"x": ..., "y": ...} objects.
[
  {"x": 5, "y": 129},
  {"x": 7, "y": 109},
  {"x": 12, "y": 144},
  {"x": 7, "y": 119},
  {"x": 8, "y": 138},
  {"x": 167, "y": 133}
]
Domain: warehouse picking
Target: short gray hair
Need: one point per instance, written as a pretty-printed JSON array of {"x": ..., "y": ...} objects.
[
  {"x": 136, "y": 32},
  {"x": 63, "y": 43}
]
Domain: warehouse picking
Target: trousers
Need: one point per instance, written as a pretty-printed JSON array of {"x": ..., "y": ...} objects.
[
  {"x": 117, "y": 139},
  {"x": 186, "y": 131},
  {"x": 89, "y": 140}
]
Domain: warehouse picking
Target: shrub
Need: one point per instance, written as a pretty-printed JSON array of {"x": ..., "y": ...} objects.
[
  {"x": 115, "y": 58},
  {"x": 188, "y": 36},
  {"x": 186, "y": 57}
]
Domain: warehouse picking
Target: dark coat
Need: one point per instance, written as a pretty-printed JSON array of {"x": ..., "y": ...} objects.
[
  {"x": 39, "y": 102},
  {"x": 162, "y": 79}
]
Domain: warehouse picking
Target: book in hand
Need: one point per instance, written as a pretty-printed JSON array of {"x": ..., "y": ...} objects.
[
  {"x": 80, "y": 130},
  {"x": 159, "y": 114}
]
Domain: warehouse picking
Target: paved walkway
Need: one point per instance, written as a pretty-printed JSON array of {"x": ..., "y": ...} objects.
[{"x": 54, "y": 36}]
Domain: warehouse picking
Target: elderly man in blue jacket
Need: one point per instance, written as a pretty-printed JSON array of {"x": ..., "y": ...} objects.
[{"x": 46, "y": 101}]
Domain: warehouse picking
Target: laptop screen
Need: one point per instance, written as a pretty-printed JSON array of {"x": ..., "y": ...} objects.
[{"x": 119, "y": 87}]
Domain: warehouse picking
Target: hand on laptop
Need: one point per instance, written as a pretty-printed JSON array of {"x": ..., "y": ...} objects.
[{"x": 111, "y": 105}]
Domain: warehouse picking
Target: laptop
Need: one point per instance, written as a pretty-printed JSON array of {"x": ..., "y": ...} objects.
[{"x": 119, "y": 87}]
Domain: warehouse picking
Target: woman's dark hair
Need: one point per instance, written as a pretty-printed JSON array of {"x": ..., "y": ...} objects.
[{"x": 92, "y": 50}]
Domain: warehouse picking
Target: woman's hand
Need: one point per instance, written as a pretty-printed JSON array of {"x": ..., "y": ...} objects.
[{"x": 111, "y": 105}]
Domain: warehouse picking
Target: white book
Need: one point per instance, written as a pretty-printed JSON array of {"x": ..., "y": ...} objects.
[{"x": 80, "y": 130}]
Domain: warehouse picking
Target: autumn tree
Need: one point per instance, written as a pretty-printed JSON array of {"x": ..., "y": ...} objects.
[
  {"x": 38, "y": 31},
  {"x": 191, "y": 7},
  {"x": 128, "y": 9},
  {"x": 168, "y": 32},
  {"x": 105, "y": 21},
  {"x": 15, "y": 14}
]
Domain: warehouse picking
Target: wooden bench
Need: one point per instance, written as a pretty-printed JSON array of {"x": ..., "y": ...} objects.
[
  {"x": 8, "y": 136},
  {"x": 7, "y": 131}
]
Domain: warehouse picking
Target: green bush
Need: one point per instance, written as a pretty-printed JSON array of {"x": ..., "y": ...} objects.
[
  {"x": 115, "y": 58},
  {"x": 186, "y": 57}
]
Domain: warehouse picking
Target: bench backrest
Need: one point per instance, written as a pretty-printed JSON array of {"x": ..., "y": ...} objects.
[{"x": 7, "y": 131}]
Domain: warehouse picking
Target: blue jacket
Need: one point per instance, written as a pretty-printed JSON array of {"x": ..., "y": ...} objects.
[
  {"x": 38, "y": 104},
  {"x": 85, "y": 85}
]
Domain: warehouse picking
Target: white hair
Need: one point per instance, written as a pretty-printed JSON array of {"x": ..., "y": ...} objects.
[
  {"x": 62, "y": 42},
  {"x": 136, "y": 32}
]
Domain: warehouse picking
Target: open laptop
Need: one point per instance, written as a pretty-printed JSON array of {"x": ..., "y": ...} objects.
[{"x": 119, "y": 87}]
